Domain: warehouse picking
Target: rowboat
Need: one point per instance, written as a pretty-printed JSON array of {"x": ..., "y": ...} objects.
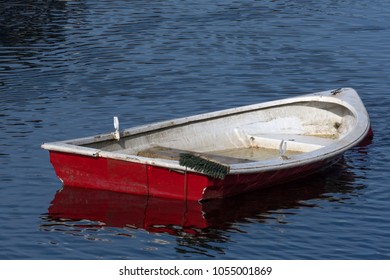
[{"x": 218, "y": 154}]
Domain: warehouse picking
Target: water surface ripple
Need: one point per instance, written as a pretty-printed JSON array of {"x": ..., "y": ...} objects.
[{"x": 66, "y": 67}]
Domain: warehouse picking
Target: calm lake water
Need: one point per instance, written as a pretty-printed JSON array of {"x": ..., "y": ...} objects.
[{"x": 67, "y": 67}]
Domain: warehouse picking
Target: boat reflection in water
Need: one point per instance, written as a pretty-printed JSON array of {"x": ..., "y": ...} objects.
[{"x": 177, "y": 217}]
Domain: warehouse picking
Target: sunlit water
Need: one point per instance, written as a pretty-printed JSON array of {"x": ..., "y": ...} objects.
[{"x": 67, "y": 67}]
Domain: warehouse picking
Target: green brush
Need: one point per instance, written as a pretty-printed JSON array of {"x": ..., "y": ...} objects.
[{"x": 204, "y": 164}]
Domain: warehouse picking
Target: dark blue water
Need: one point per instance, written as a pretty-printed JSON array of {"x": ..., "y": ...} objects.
[{"x": 67, "y": 67}]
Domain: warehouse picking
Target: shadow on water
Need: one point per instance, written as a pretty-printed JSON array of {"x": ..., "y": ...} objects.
[
  {"x": 78, "y": 207},
  {"x": 25, "y": 22},
  {"x": 32, "y": 34}
]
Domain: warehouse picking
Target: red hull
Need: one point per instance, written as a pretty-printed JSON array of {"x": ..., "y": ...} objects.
[{"x": 135, "y": 178}]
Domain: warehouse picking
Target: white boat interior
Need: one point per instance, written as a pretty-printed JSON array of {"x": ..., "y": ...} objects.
[{"x": 253, "y": 133}]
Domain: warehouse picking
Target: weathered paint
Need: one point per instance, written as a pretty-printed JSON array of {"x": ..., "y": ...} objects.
[{"x": 100, "y": 173}]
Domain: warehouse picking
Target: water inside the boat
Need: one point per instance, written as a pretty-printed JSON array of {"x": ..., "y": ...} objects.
[
  {"x": 259, "y": 148},
  {"x": 236, "y": 155},
  {"x": 254, "y": 153}
]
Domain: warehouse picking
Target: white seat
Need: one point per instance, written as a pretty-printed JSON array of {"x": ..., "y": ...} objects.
[{"x": 295, "y": 142}]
